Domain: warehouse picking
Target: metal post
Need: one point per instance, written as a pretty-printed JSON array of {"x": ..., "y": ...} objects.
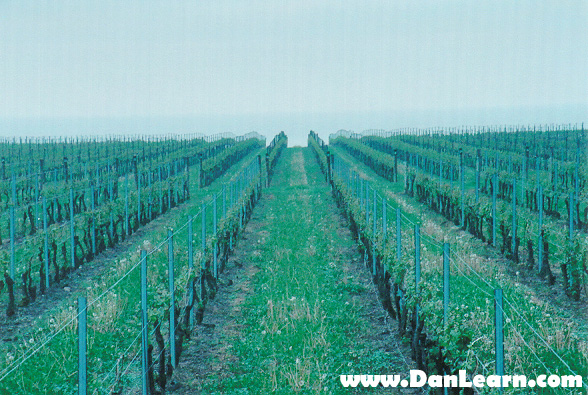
[
  {"x": 214, "y": 224},
  {"x": 241, "y": 213},
  {"x": 109, "y": 182},
  {"x": 462, "y": 187},
  {"x": 384, "y": 221},
  {"x": 494, "y": 190},
  {"x": 446, "y": 274},
  {"x": 514, "y": 217},
  {"x": 499, "y": 332},
  {"x": 576, "y": 187},
  {"x": 215, "y": 259},
  {"x": 571, "y": 222},
  {"x": 375, "y": 214},
  {"x": 231, "y": 205},
  {"x": 127, "y": 204},
  {"x": 522, "y": 188},
  {"x": 172, "y": 304},
  {"x": 111, "y": 228},
  {"x": 72, "y": 228},
  {"x": 82, "y": 347},
  {"x": 98, "y": 180},
  {"x": 554, "y": 178},
  {"x": 536, "y": 170},
  {"x": 395, "y": 165},
  {"x": 13, "y": 184},
  {"x": 398, "y": 236},
  {"x": 417, "y": 268},
  {"x": 93, "y": 220},
  {"x": 111, "y": 187},
  {"x": 144, "y": 323},
  {"x": 525, "y": 174},
  {"x": 367, "y": 205},
  {"x": 576, "y": 178},
  {"x": 348, "y": 178},
  {"x": 540, "y": 235},
  {"x": 37, "y": 191},
  {"x": 374, "y": 259},
  {"x": 138, "y": 199},
  {"x": 46, "y": 244},
  {"x": 150, "y": 201},
  {"x": 477, "y": 180},
  {"x": 169, "y": 189},
  {"x": 440, "y": 171},
  {"x": 12, "y": 237},
  {"x": 417, "y": 256},
  {"x": 160, "y": 191},
  {"x": 224, "y": 201},
  {"x": 203, "y": 213},
  {"x": 191, "y": 267}
]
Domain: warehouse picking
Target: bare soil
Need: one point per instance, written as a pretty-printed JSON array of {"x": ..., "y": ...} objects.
[{"x": 209, "y": 351}]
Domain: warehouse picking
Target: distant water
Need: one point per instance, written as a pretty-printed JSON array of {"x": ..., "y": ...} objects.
[{"x": 296, "y": 125}]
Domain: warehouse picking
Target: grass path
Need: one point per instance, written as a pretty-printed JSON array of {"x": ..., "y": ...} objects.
[{"x": 298, "y": 309}]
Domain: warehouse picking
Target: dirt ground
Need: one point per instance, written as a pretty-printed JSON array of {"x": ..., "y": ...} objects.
[{"x": 209, "y": 351}]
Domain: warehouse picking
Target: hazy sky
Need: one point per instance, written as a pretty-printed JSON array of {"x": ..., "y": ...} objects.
[{"x": 295, "y": 65}]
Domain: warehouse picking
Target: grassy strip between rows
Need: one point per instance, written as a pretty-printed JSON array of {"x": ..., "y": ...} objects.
[
  {"x": 113, "y": 311},
  {"x": 303, "y": 326}
]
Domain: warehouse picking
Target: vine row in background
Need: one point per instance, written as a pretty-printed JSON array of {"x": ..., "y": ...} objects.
[
  {"x": 560, "y": 185},
  {"x": 487, "y": 222},
  {"x": 98, "y": 227}
]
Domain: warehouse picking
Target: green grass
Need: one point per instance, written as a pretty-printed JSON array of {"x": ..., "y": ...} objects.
[{"x": 303, "y": 328}]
